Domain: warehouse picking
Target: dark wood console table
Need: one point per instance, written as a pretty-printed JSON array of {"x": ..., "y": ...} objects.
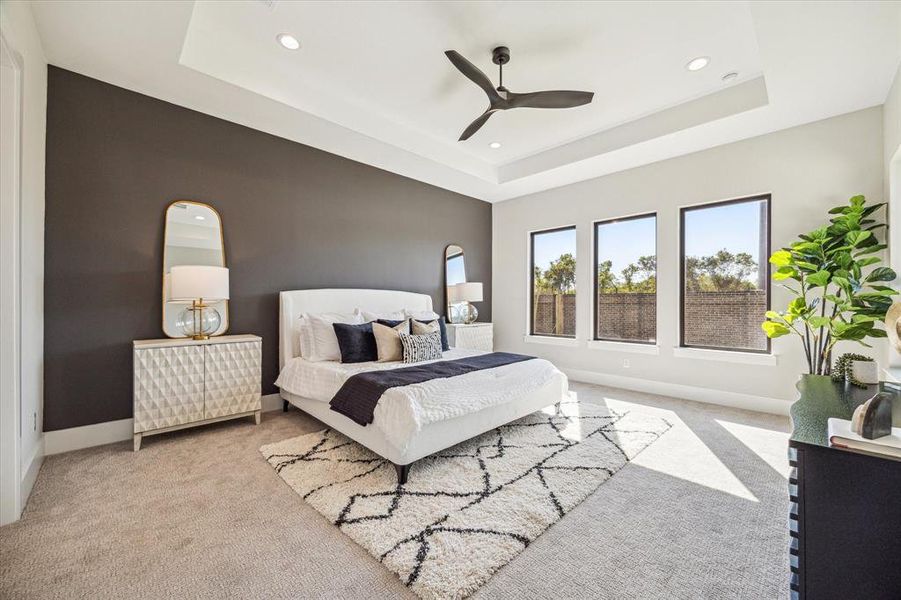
[{"x": 845, "y": 511}]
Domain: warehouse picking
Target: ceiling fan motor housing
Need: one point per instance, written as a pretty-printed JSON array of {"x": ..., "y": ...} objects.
[{"x": 500, "y": 55}]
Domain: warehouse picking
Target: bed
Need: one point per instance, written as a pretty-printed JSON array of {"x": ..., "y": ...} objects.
[{"x": 415, "y": 421}]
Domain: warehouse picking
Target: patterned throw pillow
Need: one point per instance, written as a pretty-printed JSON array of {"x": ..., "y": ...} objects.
[{"x": 418, "y": 348}]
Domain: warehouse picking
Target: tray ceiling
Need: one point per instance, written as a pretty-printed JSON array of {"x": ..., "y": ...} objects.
[{"x": 370, "y": 80}]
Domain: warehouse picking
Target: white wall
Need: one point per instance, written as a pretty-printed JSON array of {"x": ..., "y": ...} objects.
[
  {"x": 807, "y": 169},
  {"x": 891, "y": 119},
  {"x": 891, "y": 139},
  {"x": 21, "y": 35}
]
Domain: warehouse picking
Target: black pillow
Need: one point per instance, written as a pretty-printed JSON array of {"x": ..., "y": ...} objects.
[
  {"x": 442, "y": 327},
  {"x": 356, "y": 342},
  {"x": 389, "y": 322}
]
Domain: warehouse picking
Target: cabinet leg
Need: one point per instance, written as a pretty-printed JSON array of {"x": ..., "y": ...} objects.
[
  {"x": 285, "y": 406},
  {"x": 137, "y": 441},
  {"x": 256, "y": 417}
]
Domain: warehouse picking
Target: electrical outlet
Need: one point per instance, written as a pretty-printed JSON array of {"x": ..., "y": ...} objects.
[{"x": 625, "y": 363}]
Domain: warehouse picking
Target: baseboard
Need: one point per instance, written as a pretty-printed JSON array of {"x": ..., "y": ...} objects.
[
  {"x": 272, "y": 402},
  {"x": 686, "y": 392},
  {"x": 76, "y": 438},
  {"x": 31, "y": 475}
]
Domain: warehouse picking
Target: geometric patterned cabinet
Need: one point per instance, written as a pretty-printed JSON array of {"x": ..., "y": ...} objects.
[
  {"x": 182, "y": 383},
  {"x": 475, "y": 336}
]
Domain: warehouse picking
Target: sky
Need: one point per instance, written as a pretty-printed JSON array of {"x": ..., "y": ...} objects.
[{"x": 731, "y": 226}]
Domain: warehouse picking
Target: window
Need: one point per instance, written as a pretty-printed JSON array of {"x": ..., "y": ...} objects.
[
  {"x": 725, "y": 274},
  {"x": 553, "y": 262},
  {"x": 625, "y": 283}
]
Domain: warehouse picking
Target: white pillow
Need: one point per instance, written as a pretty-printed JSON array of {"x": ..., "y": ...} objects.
[
  {"x": 421, "y": 315},
  {"x": 323, "y": 341},
  {"x": 368, "y": 316},
  {"x": 305, "y": 336}
]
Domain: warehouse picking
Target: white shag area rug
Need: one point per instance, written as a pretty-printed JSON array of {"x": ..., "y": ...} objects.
[{"x": 467, "y": 511}]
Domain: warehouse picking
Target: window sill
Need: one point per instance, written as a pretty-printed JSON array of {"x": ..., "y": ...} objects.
[
  {"x": 634, "y": 348},
  {"x": 552, "y": 341},
  {"x": 748, "y": 358}
]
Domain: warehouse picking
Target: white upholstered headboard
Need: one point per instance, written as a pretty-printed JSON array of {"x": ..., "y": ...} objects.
[{"x": 294, "y": 303}]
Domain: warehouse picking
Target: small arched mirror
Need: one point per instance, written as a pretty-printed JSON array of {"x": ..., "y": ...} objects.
[
  {"x": 193, "y": 237},
  {"x": 454, "y": 273}
]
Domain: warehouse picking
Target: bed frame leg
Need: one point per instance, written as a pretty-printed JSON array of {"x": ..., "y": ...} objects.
[
  {"x": 285, "y": 406},
  {"x": 402, "y": 472}
]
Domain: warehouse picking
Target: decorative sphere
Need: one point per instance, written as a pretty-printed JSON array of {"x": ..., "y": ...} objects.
[
  {"x": 471, "y": 314},
  {"x": 208, "y": 324}
]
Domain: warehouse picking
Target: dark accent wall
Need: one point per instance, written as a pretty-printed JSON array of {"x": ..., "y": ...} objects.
[{"x": 294, "y": 218}]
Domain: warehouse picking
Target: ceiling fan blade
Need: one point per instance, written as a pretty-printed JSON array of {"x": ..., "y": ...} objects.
[
  {"x": 473, "y": 73},
  {"x": 549, "y": 99},
  {"x": 476, "y": 125}
]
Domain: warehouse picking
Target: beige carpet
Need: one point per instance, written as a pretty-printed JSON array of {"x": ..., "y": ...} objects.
[{"x": 701, "y": 513}]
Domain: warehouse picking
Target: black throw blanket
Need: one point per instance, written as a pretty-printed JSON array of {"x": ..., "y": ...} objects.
[{"x": 359, "y": 395}]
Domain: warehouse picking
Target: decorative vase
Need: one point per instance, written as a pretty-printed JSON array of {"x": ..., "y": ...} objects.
[
  {"x": 470, "y": 313},
  {"x": 457, "y": 313},
  {"x": 199, "y": 323},
  {"x": 865, "y": 371}
]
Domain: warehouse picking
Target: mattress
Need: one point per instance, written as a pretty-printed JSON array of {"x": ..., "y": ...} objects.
[{"x": 404, "y": 411}]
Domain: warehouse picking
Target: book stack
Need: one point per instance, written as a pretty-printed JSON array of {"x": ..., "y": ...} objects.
[{"x": 841, "y": 436}]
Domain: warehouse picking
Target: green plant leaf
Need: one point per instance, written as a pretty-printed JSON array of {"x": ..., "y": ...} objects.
[
  {"x": 859, "y": 318},
  {"x": 842, "y": 282},
  {"x": 805, "y": 266},
  {"x": 856, "y": 237},
  {"x": 783, "y": 273},
  {"x": 817, "y": 322},
  {"x": 781, "y": 258},
  {"x": 774, "y": 330},
  {"x": 818, "y": 279},
  {"x": 881, "y": 274},
  {"x": 866, "y": 262},
  {"x": 870, "y": 250}
]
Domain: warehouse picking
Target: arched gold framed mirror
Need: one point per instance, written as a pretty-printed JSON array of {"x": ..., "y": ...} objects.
[
  {"x": 193, "y": 237},
  {"x": 454, "y": 273}
]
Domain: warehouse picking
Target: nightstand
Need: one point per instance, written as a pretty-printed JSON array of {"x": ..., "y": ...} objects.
[
  {"x": 475, "y": 336},
  {"x": 181, "y": 383}
]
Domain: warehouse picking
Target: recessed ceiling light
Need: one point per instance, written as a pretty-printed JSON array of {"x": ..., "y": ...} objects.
[
  {"x": 494, "y": 145},
  {"x": 200, "y": 218},
  {"x": 729, "y": 77},
  {"x": 288, "y": 41},
  {"x": 696, "y": 64}
]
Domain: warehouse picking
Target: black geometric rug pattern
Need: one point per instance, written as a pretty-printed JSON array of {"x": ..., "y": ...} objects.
[{"x": 466, "y": 511}]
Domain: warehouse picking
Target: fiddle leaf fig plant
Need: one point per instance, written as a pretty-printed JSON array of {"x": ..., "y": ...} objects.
[{"x": 839, "y": 291}]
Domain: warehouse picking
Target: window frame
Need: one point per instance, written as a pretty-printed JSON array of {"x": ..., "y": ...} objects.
[
  {"x": 768, "y": 197},
  {"x": 531, "y": 302},
  {"x": 594, "y": 287}
]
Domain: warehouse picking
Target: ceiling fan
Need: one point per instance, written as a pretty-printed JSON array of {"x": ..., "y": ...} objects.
[{"x": 503, "y": 99}]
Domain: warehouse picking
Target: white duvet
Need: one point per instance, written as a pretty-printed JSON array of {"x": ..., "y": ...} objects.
[{"x": 403, "y": 411}]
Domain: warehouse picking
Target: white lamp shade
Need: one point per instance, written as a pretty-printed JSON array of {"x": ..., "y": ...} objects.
[
  {"x": 465, "y": 292},
  {"x": 193, "y": 282}
]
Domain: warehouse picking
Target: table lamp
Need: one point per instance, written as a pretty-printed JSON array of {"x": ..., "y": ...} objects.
[
  {"x": 466, "y": 293},
  {"x": 199, "y": 285}
]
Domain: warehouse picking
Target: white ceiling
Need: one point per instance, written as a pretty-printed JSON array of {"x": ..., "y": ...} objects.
[{"x": 371, "y": 82}]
